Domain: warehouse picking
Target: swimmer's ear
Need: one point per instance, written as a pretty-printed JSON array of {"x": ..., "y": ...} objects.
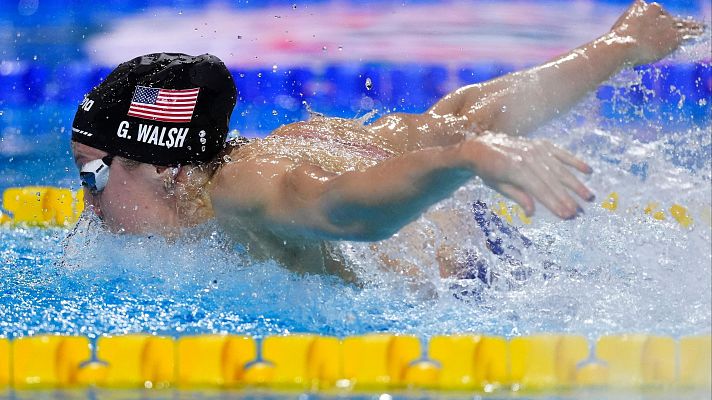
[
  {"x": 168, "y": 171},
  {"x": 168, "y": 175}
]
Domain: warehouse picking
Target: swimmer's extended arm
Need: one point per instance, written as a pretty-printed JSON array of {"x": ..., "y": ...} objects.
[
  {"x": 519, "y": 102},
  {"x": 304, "y": 201}
]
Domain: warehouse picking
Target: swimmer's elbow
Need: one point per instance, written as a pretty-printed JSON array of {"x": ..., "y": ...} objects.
[
  {"x": 323, "y": 228},
  {"x": 340, "y": 207},
  {"x": 363, "y": 224}
]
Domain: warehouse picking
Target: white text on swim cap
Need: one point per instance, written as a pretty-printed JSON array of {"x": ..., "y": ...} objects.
[
  {"x": 123, "y": 131},
  {"x": 152, "y": 134}
]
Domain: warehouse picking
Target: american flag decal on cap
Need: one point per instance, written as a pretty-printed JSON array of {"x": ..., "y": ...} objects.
[{"x": 168, "y": 105}]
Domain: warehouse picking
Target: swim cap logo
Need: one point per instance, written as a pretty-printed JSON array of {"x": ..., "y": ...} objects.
[
  {"x": 167, "y": 105},
  {"x": 86, "y": 104}
]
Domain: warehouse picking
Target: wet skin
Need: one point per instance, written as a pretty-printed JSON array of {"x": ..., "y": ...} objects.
[
  {"x": 305, "y": 200},
  {"x": 327, "y": 179},
  {"x": 133, "y": 200}
]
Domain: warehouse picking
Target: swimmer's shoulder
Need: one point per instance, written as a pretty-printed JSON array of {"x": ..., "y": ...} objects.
[
  {"x": 294, "y": 139},
  {"x": 265, "y": 146},
  {"x": 319, "y": 127},
  {"x": 312, "y": 142},
  {"x": 251, "y": 180}
]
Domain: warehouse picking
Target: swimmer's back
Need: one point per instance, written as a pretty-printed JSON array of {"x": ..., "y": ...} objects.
[{"x": 335, "y": 144}]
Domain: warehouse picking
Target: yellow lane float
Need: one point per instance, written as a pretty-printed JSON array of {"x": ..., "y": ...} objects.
[
  {"x": 41, "y": 206},
  {"x": 374, "y": 362}
]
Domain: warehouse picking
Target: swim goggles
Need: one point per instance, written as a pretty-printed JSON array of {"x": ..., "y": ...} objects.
[{"x": 95, "y": 174}]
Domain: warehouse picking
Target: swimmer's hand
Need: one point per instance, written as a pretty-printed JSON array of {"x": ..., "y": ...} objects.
[
  {"x": 524, "y": 170},
  {"x": 652, "y": 32}
]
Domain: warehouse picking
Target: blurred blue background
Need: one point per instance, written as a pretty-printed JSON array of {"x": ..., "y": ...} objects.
[{"x": 47, "y": 62}]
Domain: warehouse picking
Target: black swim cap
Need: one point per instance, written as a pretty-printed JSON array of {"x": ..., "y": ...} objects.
[{"x": 161, "y": 109}]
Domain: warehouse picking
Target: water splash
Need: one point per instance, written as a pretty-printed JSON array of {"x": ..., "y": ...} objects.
[{"x": 604, "y": 272}]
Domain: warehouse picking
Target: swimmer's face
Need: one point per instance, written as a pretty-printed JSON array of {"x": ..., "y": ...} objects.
[{"x": 134, "y": 199}]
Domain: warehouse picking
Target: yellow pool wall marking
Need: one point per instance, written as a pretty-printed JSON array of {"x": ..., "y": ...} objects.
[{"x": 374, "y": 362}]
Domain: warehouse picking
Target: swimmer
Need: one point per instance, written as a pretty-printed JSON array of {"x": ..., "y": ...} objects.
[{"x": 150, "y": 146}]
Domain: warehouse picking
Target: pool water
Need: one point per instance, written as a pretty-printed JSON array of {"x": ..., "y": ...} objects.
[{"x": 604, "y": 272}]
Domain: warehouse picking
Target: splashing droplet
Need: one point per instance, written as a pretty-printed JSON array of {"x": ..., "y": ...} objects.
[
  {"x": 369, "y": 84},
  {"x": 275, "y": 112}
]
